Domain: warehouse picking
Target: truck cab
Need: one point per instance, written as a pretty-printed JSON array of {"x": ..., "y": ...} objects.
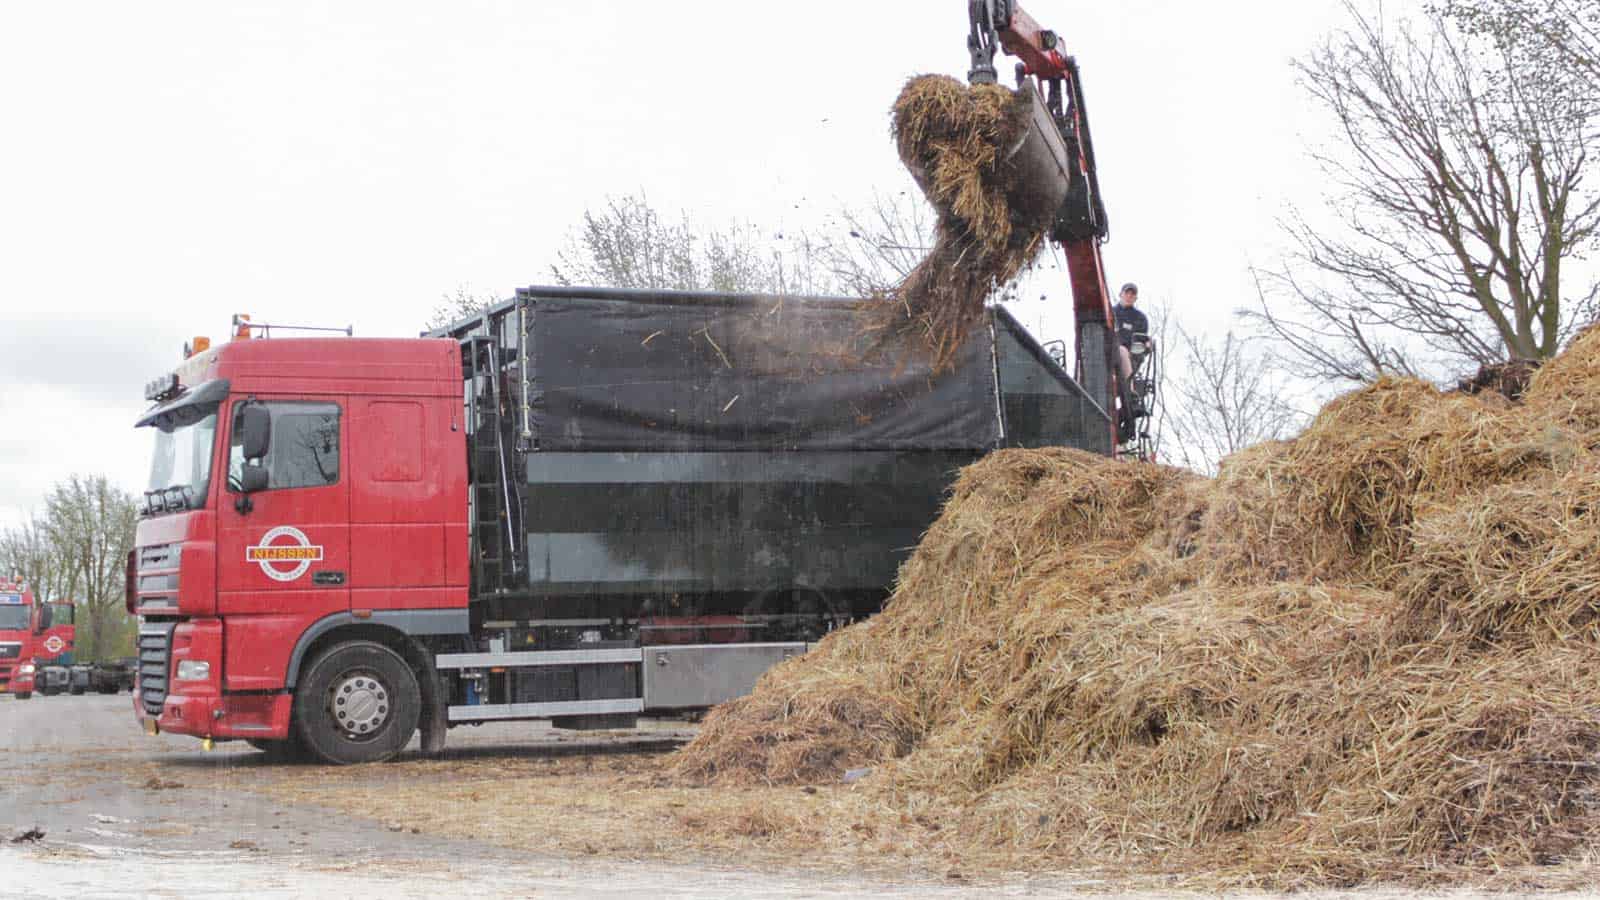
[
  {"x": 304, "y": 493},
  {"x": 23, "y": 625}
]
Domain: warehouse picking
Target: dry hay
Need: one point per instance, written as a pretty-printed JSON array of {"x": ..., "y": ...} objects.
[
  {"x": 956, "y": 141},
  {"x": 1562, "y": 391},
  {"x": 872, "y": 692},
  {"x": 1366, "y": 653},
  {"x": 1512, "y": 565},
  {"x": 1339, "y": 500}
]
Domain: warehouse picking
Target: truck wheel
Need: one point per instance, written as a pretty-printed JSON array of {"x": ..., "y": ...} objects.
[
  {"x": 76, "y": 690},
  {"x": 358, "y": 702},
  {"x": 23, "y": 695}
]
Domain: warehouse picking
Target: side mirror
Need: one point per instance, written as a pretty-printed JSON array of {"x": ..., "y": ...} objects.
[
  {"x": 252, "y": 478},
  {"x": 46, "y": 617},
  {"x": 255, "y": 431}
]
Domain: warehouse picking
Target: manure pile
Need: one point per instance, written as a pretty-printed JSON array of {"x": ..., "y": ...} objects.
[
  {"x": 1370, "y": 653},
  {"x": 956, "y": 141}
]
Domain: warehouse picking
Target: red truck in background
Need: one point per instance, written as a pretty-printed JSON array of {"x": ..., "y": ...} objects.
[{"x": 24, "y": 628}]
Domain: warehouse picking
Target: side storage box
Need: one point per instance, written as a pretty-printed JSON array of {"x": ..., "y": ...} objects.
[{"x": 707, "y": 674}]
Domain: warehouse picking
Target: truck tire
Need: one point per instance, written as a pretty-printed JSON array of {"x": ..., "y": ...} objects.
[
  {"x": 357, "y": 703},
  {"x": 23, "y": 695},
  {"x": 76, "y": 690}
]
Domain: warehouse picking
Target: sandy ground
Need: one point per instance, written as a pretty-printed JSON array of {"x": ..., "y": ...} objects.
[{"x": 129, "y": 815}]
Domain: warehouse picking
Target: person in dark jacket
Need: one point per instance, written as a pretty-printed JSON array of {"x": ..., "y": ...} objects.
[{"x": 1129, "y": 322}]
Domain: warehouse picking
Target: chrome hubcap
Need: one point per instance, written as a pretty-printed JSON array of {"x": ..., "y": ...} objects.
[{"x": 359, "y": 703}]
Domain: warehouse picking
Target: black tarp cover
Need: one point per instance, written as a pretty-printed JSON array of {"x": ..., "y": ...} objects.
[{"x": 753, "y": 374}]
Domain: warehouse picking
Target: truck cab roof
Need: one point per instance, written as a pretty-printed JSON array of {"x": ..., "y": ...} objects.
[{"x": 342, "y": 365}]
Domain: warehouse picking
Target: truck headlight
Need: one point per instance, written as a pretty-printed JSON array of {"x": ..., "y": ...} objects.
[
  {"x": 193, "y": 670},
  {"x": 25, "y": 669}
]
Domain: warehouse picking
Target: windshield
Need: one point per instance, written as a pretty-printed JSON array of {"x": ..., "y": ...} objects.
[
  {"x": 180, "y": 466},
  {"x": 13, "y": 618}
]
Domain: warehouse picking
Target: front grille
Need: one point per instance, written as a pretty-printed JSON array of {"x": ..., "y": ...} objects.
[
  {"x": 160, "y": 556},
  {"x": 155, "y": 653},
  {"x": 156, "y": 576},
  {"x": 10, "y": 651}
]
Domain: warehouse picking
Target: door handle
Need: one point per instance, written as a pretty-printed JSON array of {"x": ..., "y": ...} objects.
[{"x": 327, "y": 576}]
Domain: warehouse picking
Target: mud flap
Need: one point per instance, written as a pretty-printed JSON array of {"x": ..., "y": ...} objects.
[{"x": 432, "y": 724}]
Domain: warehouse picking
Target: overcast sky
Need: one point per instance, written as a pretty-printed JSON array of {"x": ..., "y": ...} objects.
[{"x": 165, "y": 165}]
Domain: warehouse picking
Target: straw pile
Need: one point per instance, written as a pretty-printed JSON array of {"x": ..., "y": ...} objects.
[
  {"x": 956, "y": 140},
  {"x": 1367, "y": 653}
]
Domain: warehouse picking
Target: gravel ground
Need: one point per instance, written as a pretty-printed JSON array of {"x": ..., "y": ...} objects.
[{"x": 119, "y": 820}]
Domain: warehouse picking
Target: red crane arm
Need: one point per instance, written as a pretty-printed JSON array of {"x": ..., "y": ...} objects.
[
  {"x": 1080, "y": 225},
  {"x": 1035, "y": 46}
]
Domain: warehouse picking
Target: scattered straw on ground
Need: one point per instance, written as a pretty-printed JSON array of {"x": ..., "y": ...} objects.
[{"x": 1364, "y": 654}]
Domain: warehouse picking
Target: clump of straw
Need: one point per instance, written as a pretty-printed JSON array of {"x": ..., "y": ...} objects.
[{"x": 956, "y": 140}]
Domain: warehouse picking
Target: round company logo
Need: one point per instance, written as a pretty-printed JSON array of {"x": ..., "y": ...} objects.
[
  {"x": 298, "y": 553},
  {"x": 54, "y": 644}
]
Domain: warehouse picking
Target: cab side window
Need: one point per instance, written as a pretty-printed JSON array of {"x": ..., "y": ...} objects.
[{"x": 304, "y": 451}]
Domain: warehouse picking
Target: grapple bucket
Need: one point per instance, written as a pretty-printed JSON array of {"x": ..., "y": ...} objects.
[{"x": 1041, "y": 162}]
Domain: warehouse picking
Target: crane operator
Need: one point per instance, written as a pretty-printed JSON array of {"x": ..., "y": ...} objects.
[{"x": 1130, "y": 322}]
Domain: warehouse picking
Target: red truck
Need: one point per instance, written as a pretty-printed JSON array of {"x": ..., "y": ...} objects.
[
  {"x": 583, "y": 506},
  {"x": 55, "y": 652},
  {"x": 25, "y": 629}
]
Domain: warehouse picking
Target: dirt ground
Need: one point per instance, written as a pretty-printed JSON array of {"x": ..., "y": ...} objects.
[{"x": 125, "y": 813}]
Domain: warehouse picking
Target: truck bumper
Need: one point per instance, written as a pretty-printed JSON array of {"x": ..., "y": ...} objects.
[
  {"x": 199, "y": 706},
  {"x": 19, "y": 682},
  {"x": 226, "y": 717}
]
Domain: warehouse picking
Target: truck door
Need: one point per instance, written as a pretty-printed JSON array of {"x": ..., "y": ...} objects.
[
  {"x": 283, "y": 553},
  {"x": 405, "y": 493}
]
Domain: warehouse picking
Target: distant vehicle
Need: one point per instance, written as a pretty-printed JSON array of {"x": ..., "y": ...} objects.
[
  {"x": 23, "y": 627},
  {"x": 112, "y": 676}
]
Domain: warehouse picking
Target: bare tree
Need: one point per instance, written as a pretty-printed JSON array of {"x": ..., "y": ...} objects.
[
  {"x": 29, "y": 551},
  {"x": 91, "y": 524},
  {"x": 629, "y": 244},
  {"x": 870, "y": 249},
  {"x": 1458, "y": 198},
  {"x": 857, "y": 251},
  {"x": 1559, "y": 38},
  {"x": 457, "y": 305},
  {"x": 1220, "y": 398}
]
